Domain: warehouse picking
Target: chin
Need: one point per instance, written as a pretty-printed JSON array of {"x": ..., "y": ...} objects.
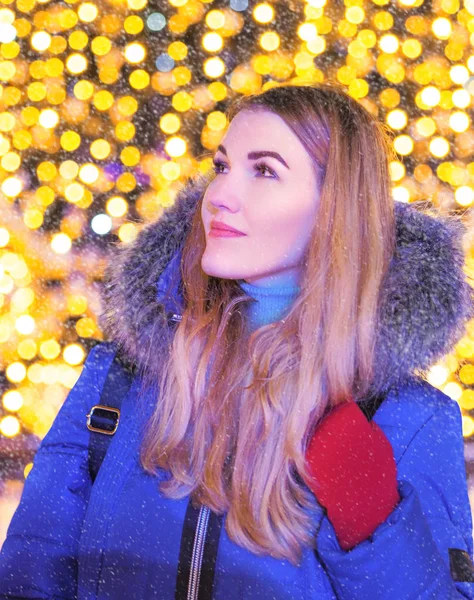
[{"x": 220, "y": 273}]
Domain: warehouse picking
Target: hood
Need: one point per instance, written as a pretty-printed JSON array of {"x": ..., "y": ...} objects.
[{"x": 424, "y": 304}]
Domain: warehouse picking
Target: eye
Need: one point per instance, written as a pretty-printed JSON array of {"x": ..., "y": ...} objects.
[
  {"x": 217, "y": 164},
  {"x": 259, "y": 167}
]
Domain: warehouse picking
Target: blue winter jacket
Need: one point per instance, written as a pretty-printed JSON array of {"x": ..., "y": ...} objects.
[{"x": 122, "y": 539}]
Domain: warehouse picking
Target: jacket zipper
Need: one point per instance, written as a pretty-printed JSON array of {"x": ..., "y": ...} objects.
[
  {"x": 198, "y": 551},
  {"x": 199, "y": 536}
]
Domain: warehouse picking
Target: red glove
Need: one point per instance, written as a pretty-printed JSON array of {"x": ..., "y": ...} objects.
[{"x": 352, "y": 463}]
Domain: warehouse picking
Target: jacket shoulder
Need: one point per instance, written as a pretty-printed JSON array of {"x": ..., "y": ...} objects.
[{"x": 410, "y": 408}]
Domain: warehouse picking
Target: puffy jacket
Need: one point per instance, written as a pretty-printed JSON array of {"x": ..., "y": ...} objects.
[{"x": 122, "y": 539}]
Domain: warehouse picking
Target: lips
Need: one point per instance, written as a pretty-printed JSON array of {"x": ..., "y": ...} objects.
[{"x": 222, "y": 227}]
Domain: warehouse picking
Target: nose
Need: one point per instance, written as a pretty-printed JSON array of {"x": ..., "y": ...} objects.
[{"x": 222, "y": 197}]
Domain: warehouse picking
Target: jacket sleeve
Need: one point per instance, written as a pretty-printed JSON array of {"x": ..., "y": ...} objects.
[
  {"x": 38, "y": 558},
  {"x": 424, "y": 549}
]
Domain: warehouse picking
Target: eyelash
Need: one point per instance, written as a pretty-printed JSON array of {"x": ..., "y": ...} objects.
[{"x": 257, "y": 167}]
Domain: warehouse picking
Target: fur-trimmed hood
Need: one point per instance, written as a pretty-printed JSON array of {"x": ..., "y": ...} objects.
[{"x": 425, "y": 300}]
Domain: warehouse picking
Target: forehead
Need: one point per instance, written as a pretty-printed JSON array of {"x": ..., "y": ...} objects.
[{"x": 262, "y": 130}]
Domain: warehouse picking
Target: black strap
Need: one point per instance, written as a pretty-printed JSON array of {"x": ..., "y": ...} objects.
[{"x": 118, "y": 381}]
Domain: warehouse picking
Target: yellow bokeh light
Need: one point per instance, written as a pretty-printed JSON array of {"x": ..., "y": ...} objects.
[
  {"x": 464, "y": 195},
  {"x": 214, "y": 67},
  {"x": 74, "y": 192},
  {"x": 130, "y": 156},
  {"x": 127, "y": 232},
  {"x": 11, "y": 161},
  {"x": 459, "y": 121},
  {"x": 89, "y": 173},
  {"x": 389, "y": 43},
  {"x": 133, "y": 25},
  {"x": 101, "y": 45},
  {"x": 87, "y": 12},
  {"x": 137, "y": 4},
  {"x": 69, "y": 169},
  {"x": 397, "y": 170},
  {"x": 50, "y": 349},
  {"x": 135, "y": 52},
  {"x": 40, "y": 41},
  {"x": 269, "y": 41},
  {"x": 100, "y": 149},
  {"x": 15, "y": 372},
  {"x": 25, "y": 324},
  {"x": 178, "y": 50},
  {"x": 83, "y": 90},
  {"x": 86, "y": 327},
  {"x": 425, "y": 126},
  {"x": 126, "y": 183},
  {"x": 212, "y": 42},
  {"x": 70, "y": 140},
  {"x": 37, "y": 91},
  {"x": 307, "y": 32},
  {"x": 12, "y": 187},
  {"x": 215, "y": 19},
  {"x": 127, "y": 106},
  {"x": 61, "y": 243},
  {"x": 73, "y": 354},
  {"x": 439, "y": 147},
  {"x": 48, "y": 118},
  {"x": 9, "y": 426},
  {"x": 116, "y": 206},
  {"x": 175, "y": 146},
  {"x": 12, "y": 400},
  {"x": 403, "y": 144},
  {"x": 430, "y": 96},
  {"x": 4, "y": 145},
  {"x": 103, "y": 100},
  {"x": 263, "y": 13},
  {"x": 78, "y": 40},
  {"x": 459, "y": 74},
  {"x": 77, "y": 304},
  {"x": 438, "y": 375},
  {"x": 397, "y": 119},
  {"x": 139, "y": 79},
  {"x": 216, "y": 120},
  {"x": 125, "y": 131},
  {"x": 170, "y": 123},
  {"x": 442, "y": 28},
  {"x": 461, "y": 98},
  {"x": 76, "y": 63},
  {"x": 29, "y": 116},
  {"x": 453, "y": 390},
  {"x": 171, "y": 171}
]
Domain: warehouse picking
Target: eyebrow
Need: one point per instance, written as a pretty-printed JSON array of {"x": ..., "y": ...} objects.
[{"x": 258, "y": 154}]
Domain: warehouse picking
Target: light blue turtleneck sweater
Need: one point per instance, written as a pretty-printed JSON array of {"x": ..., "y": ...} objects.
[{"x": 272, "y": 302}]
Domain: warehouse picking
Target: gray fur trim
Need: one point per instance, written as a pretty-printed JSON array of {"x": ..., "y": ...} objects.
[{"x": 424, "y": 305}]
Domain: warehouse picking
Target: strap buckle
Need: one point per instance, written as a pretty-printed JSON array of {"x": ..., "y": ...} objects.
[{"x": 103, "y": 419}]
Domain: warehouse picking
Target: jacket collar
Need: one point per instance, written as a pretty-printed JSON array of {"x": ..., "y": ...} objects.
[{"x": 424, "y": 304}]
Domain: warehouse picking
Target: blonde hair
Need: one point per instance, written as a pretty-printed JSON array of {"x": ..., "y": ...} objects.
[{"x": 236, "y": 409}]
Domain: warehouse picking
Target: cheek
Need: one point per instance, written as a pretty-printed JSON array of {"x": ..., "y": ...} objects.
[{"x": 287, "y": 220}]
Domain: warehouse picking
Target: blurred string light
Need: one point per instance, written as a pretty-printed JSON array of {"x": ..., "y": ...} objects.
[{"x": 103, "y": 106}]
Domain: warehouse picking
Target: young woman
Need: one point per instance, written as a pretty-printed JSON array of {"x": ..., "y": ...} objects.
[{"x": 246, "y": 464}]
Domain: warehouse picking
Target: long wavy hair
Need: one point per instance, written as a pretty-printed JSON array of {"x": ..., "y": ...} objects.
[{"x": 236, "y": 409}]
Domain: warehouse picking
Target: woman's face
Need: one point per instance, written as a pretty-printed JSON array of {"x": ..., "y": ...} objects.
[{"x": 274, "y": 205}]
